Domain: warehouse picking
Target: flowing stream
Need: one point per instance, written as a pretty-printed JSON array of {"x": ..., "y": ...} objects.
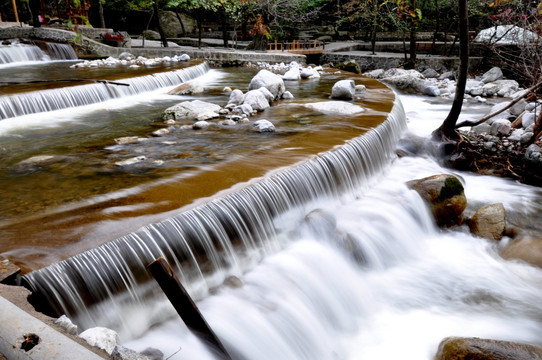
[{"x": 304, "y": 256}]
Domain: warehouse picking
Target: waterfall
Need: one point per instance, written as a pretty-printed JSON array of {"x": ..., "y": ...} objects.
[
  {"x": 206, "y": 244},
  {"x": 15, "y": 53},
  {"x": 73, "y": 96},
  {"x": 61, "y": 51}
]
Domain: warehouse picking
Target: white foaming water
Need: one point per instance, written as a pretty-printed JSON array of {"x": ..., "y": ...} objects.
[{"x": 371, "y": 277}]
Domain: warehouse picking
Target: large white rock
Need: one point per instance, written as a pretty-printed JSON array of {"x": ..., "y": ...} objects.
[
  {"x": 236, "y": 97},
  {"x": 292, "y": 75},
  {"x": 506, "y": 34},
  {"x": 336, "y": 107},
  {"x": 343, "y": 89},
  {"x": 101, "y": 337},
  {"x": 264, "y": 126},
  {"x": 267, "y": 94},
  {"x": 273, "y": 83},
  {"x": 495, "y": 73},
  {"x": 256, "y": 99},
  {"x": 192, "y": 110}
]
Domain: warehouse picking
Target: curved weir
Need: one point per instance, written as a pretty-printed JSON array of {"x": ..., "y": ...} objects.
[
  {"x": 68, "y": 97},
  {"x": 211, "y": 241}
]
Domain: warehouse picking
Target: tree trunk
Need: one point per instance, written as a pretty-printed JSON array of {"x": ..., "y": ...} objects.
[
  {"x": 224, "y": 27},
  {"x": 199, "y": 22},
  {"x": 447, "y": 129},
  {"x": 437, "y": 25},
  {"x": 375, "y": 26},
  {"x": 181, "y": 22},
  {"x": 159, "y": 24}
]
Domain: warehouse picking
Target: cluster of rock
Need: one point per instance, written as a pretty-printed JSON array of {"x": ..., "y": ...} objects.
[
  {"x": 129, "y": 60},
  {"x": 293, "y": 71},
  {"x": 445, "y": 197},
  {"x": 432, "y": 83}
]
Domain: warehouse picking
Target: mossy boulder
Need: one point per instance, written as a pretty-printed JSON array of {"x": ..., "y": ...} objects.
[
  {"x": 350, "y": 66},
  {"x": 445, "y": 196},
  {"x": 455, "y": 348}
]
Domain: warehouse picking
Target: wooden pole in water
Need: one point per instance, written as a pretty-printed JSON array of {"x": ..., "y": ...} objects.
[{"x": 183, "y": 304}]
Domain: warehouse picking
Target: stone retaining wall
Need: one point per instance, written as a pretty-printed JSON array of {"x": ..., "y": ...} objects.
[
  {"x": 371, "y": 62},
  {"x": 89, "y": 48}
]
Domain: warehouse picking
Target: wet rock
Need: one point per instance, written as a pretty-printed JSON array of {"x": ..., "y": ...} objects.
[
  {"x": 127, "y": 140},
  {"x": 267, "y": 94},
  {"x": 192, "y": 110},
  {"x": 489, "y": 222},
  {"x": 493, "y": 74},
  {"x": 123, "y": 353},
  {"x": 65, "y": 323},
  {"x": 350, "y": 66},
  {"x": 527, "y": 120},
  {"x": 321, "y": 222},
  {"x": 287, "y": 95},
  {"x": 131, "y": 161},
  {"x": 445, "y": 196},
  {"x": 410, "y": 145},
  {"x": 309, "y": 73},
  {"x": 527, "y": 249},
  {"x": 201, "y": 125},
  {"x": 431, "y": 90},
  {"x": 375, "y": 74},
  {"x": 264, "y": 126},
  {"x": 236, "y": 97},
  {"x": 361, "y": 88},
  {"x": 292, "y": 75},
  {"x": 273, "y": 83},
  {"x": 336, "y": 107},
  {"x": 455, "y": 348},
  {"x": 256, "y": 99},
  {"x": 160, "y": 132},
  {"x": 153, "y": 354},
  {"x": 228, "y": 122},
  {"x": 245, "y": 109},
  {"x": 102, "y": 338},
  {"x": 188, "y": 88},
  {"x": 343, "y": 89}
]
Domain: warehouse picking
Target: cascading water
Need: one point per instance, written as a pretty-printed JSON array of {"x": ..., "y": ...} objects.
[
  {"x": 61, "y": 51},
  {"x": 19, "y": 53},
  {"x": 211, "y": 242},
  {"x": 74, "y": 96}
]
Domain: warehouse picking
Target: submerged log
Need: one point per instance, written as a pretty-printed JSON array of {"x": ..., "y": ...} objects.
[{"x": 183, "y": 304}]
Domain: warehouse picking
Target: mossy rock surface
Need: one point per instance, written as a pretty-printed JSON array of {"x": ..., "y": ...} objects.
[
  {"x": 350, "y": 66},
  {"x": 445, "y": 196}
]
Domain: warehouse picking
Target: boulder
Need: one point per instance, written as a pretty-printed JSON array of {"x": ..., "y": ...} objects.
[
  {"x": 123, "y": 353},
  {"x": 350, "y": 66},
  {"x": 287, "y": 95},
  {"x": 518, "y": 108},
  {"x": 527, "y": 120},
  {"x": 309, "y": 73},
  {"x": 527, "y": 249},
  {"x": 245, "y": 109},
  {"x": 236, "y": 97},
  {"x": 256, "y": 99},
  {"x": 430, "y": 73},
  {"x": 445, "y": 196},
  {"x": 455, "y": 348},
  {"x": 343, "y": 89},
  {"x": 375, "y": 74},
  {"x": 481, "y": 129},
  {"x": 492, "y": 74},
  {"x": 200, "y": 125},
  {"x": 188, "y": 88},
  {"x": 501, "y": 127},
  {"x": 103, "y": 338},
  {"x": 489, "y": 222},
  {"x": 264, "y": 126},
  {"x": 267, "y": 94},
  {"x": 273, "y": 83},
  {"x": 192, "y": 110},
  {"x": 292, "y": 75},
  {"x": 336, "y": 107},
  {"x": 66, "y": 324}
]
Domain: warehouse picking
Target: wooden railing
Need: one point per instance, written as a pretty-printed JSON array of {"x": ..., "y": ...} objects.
[{"x": 299, "y": 46}]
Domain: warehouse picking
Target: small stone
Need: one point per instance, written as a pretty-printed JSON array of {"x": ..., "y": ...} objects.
[
  {"x": 287, "y": 95},
  {"x": 101, "y": 337},
  {"x": 160, "y": 132},
  {"x": 264, "y": 126},
  {"x": 131, "y": 161},
  {"x": 200, "y": 125},
  {"x": 65, "y": 323}
]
